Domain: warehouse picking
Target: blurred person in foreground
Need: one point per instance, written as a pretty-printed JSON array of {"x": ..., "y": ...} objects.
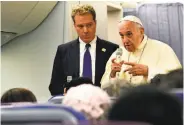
[
  {"x": 142, "y": 58},
  {"x": 147, "y": 104},
  {"x": 169, "y": 81},
  {"x": 16, "y": 95},
  {"x": 88, "y": 99},
  {"x": 76, "y": 82}
]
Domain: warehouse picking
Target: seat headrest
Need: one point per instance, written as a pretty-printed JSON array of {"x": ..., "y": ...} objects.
[{"x": 40, "y": 113}]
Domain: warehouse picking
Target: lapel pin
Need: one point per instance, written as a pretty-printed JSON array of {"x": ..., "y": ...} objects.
[{"x": 103, "y": 49}]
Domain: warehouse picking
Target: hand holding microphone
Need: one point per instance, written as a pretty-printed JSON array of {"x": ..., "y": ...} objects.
[{"x": 116, "y": 64}]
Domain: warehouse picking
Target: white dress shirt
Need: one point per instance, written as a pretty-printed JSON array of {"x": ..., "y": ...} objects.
[{"x": 92, "y": 51}]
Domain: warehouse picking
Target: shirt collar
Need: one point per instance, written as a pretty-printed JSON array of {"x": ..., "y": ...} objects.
[
  {"x": 92, "y": 43},
  {"x": 141, "y": 46}
]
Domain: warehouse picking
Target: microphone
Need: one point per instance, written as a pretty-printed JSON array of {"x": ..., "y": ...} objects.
[
  {"x": 118, "y": 55},
  {"x": 118, "y": 58}
]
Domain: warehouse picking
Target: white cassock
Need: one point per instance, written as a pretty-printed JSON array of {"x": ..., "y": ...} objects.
[{"x": 158, "y": 56}]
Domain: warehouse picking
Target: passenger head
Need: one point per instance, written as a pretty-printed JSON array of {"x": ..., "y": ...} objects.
[
  {"x": 88, "y": 99},
  {"x": 131, "y": 31},
  {"x": 147, "y": 104},
  {"x": 78, "y": 81},
  {"x": 84, "y": 19},
  {"x": 18, "y": 95},
  {"x": 157, "y": 79},
  {"x": 174, "y": 79}
]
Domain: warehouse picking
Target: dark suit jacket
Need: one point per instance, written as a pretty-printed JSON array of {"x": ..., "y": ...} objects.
[{"x": 67, "y": 63}]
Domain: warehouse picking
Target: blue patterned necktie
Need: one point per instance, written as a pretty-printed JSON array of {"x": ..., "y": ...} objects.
[{"x": 87, "y": 68}]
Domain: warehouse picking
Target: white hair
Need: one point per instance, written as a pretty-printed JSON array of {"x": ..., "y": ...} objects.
[{"x": 88, "y": 99}]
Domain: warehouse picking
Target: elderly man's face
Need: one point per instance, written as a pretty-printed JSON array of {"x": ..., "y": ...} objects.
[
  {"x": 131, "y": 35},
  {"x": 85, "y": 27}
]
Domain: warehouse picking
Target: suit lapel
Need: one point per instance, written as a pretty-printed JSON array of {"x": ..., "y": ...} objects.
[
  {"x": 75, "y": 55},
  {"x": 99, "y": 58}
]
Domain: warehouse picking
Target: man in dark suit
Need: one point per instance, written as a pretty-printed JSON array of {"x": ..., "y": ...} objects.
[{"x": 85, "y": 56}]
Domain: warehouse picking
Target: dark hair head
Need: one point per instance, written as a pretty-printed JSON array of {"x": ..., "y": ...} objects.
[
  {"x": 18, "y": 95},
  {"x": 174, "y": 79},
  {"x": 147, "y": 104},
  {"x": 157, "y": 80},
  {"x": 78, "y": 81}
]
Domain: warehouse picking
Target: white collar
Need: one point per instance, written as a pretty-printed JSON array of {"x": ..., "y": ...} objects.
[
  {"x": 92, "y": 43},
  {"x": 144, "y": 41}
]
